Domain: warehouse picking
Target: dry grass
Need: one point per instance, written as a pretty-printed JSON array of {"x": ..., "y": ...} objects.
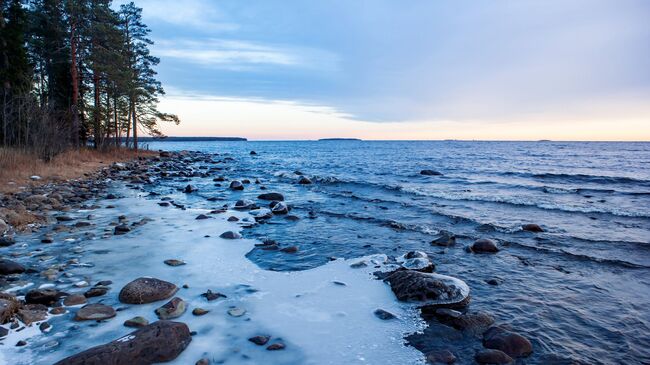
[{"x": 17, "y": 166}]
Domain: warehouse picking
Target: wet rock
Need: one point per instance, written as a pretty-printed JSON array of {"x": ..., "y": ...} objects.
[
  {"x": 158, "y": 342},
  {"x": 513, "y": 344},
  {"x": 260, "y": 340},
  {"x": 8, "y": 307},
  {"x": 280, "y": 208},
  {"x": 21, "y": 343},
  {"x": 476, "y": 323},
  {"x": 3, "y": 332},
  {"x": 47, "y": 239},
  {"x": 190, "y": 189},
  {"x": 146, "y": 290},
  {"x": 45, "y": 327},
  {"x": 232, "y": 218},
  {"x": 271, "y": 196},
  {"x": 444, "y": 239},
  {"x": 210, "y": 295},
  {"x": 304, "y": 180},
  {"x": 4, "y": 227},
  {"x": 203, "y": 361},
  {"x": 384, "y": 315},
  {"x": 276, "y": 346},
  {"x": 29, "y": 316},
  {"x": 6, "y": 241},
  {"x": 202, "y": 216},
  {"x": 236, "y": 185},
  {"x": 441, "y": 357},
  {"x": 75, "y": 299},
  {"x": 96, "y": 292},
  {"x": 57, "y": 310},
  {"x": 484, "y": 245},
  {"x": 63, "y": 218},
  {"x": 416, "y": 260},
  {"x": 174, "y": 262},
  {"x": 244, "y": 204},
  {"x": 230, "y": 235},
  {"x": 430, "y": 173},
  {"x": 253, "y": 153},
  {"x": 136, "y": 322},
  {"x": 532, "y": 227},
  {"x": 172, "y": 309},
  {"x": 8, "y": 267},
  {"x": 493, "y": 357},
  {"x": 43, "y": 296},
  {"x": 493, "y": 281},
  {"x": 236, "y": 312},
  {"x": 94, "y": 312},
  {"x": 200, "y": 311},
  {"x": 428, "y": 289},
  {"x": 121, "y": 229}
]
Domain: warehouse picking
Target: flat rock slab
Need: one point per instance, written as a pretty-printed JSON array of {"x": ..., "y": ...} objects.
[
  {"x": 146, "y": 290},
  {"x": 158, "y": 342},
  {"x": 94, "y": 312}
]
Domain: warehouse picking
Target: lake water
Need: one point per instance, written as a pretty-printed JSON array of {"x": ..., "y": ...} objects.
[{"x": 580, "y": 290}]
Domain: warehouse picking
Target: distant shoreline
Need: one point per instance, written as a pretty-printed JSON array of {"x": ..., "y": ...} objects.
[{"x": 190, "y": 139}]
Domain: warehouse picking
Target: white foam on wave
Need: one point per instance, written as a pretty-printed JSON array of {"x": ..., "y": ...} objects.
[{"x": 320, "y": 321}]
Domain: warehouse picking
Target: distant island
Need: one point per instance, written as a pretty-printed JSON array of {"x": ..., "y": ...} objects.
[
  {"x": 339, "y": 139},
  {"x": 190, "y": 139}
]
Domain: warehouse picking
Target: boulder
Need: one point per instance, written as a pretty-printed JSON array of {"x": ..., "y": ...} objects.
[
  {"x": 532, "y": 227},
  {"x": 121, "y": 229},
  {"x": 94, "y": 312},
  {"x": 158, "y": 342},
  {"x": 43, "y": 296},
  {"x": 8, "y": 267},
  {"x": 484, "y": 245},
  {"x": 493, "y": 357},
  {"x": 271, "y": 196},
  {"x": 475, "y": 323},
  {"x": 236, "y": 185},
  {"x": 428, "y": 289},
  {"x": 430, "y": 173},
  {"x": 172, "y": 309},
  {"x": 513, "y": 344},
  {"x": 146, "y": 290}
]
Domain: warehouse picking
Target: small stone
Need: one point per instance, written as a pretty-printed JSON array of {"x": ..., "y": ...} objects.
[
  {"x": 233, "y": 219},
  {"x": 260, "y": 340},
  {"x": 210, "y": 295},
  {"x": 236, "y": 312},
  {"x": 174, "y": 262},
  {"x": 172, "y": 309},
  {"x": 21, "y": 343},
  {"x": 45, "y": 327},
  {"x": 121, "y": 229},
  {"x": 304, "y": 180},
  {"x": 95, "y": 312},
  {"x": 203, "y": 361},
  {"x": 136, "y": 322},
  {"x": 276, "y": 346},
  {"x": 384, "y": 315},
  {"x": 532, "y": 227},
  {"x": 199, "y": 311},
  {"x": 96, "y": 292},
  {"x": 190, "y": 189},
  {"x": 202, "y": 216},
  {"x": 484, "y": 245},
  {"x": 236, "y": 185}
]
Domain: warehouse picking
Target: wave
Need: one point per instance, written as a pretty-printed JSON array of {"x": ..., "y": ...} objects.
[{"x": 596, "y": 179}]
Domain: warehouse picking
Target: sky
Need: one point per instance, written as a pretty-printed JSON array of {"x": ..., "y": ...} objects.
[{"x": 417, "y": 69}]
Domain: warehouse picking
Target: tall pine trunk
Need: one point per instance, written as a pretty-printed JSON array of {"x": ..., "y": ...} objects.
[{"x": 74, "y": 108}]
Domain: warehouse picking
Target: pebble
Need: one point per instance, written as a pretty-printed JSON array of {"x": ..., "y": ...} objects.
[
  {"x": 384, "y": 315},
  {"x": 136, "y": 322},
  {"x": 236, "y": 312},
  {"x": 260, "y": 340},
  {"x": 174, "y": 262},
  {"x": 276, "y": 346},
  {"x": 199, "y": 311},
  {"x": 172, "y": 309}
]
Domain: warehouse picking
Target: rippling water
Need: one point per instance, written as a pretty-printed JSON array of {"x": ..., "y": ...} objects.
[{"x": 580, "y": 290}]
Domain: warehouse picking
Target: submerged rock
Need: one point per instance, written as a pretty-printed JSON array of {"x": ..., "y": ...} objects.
[
  {"x": 532, "y": 227},
  {"x": 441, "y": 357},
  {"x": 475, "y": 323},
  {"x": 280, "y": 208},
  {"x": 244, "y": 204},
  {"x": 121, "y": 229},
  {"x": 96, "y": 312},
  {"x": 271, "y": 196},
  {"x": 512, "y": 343},
  {"x": 190, "y": 189},
  {"x": 158, "y": 342},
  {"x": 484, "y": 245},
  {"x": 304, "y": 180},
  {"x": 430, "y": 173},
  {"x": 493, "y": 357},
  {"x": 444, "y": 239},
  {"x": 428, "y": 289},
  {"x": 384, "y": 315},
  {"x": 172, "y": 309},
  {"x": 146, "y": 290},
  {"x": 236, "y": 185}
]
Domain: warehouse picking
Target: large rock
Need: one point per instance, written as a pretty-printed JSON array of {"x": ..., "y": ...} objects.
[
  {"x": 532, "y": 227},
  {"x": 10, "y": 267},
  {"x": 513, "y": 344},
  {"x": 271, "y": 196},
  {"x": 158, "y": 342},
  {"x": 43, "y": 296},
  {"x": 146, "y": 290},
  {"x": 428, "y": 289},
  {"x": 94, "y": 312},
  {"x": 230, "y": 235},
  {"x": 493, "y": 357},
  {"x": 484, "y": 245}
]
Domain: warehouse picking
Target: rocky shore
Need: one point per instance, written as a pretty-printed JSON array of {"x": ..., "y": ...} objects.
[{"x": 43, "y": 229}]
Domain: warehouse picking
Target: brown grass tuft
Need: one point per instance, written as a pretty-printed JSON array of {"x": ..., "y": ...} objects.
[{"x": 17, "y": 166}]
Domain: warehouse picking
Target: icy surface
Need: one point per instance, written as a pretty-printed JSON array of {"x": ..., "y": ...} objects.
[{"x": 324, "y": 315}]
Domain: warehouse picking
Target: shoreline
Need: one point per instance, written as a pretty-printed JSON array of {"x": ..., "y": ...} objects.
[{"x": 136, "y": 173}]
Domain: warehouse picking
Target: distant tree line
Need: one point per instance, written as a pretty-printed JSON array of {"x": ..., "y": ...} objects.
[{"x": 74, "y": 72}]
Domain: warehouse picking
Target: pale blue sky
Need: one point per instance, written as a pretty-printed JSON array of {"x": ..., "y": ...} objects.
[{"x": 442, "y": 63}]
